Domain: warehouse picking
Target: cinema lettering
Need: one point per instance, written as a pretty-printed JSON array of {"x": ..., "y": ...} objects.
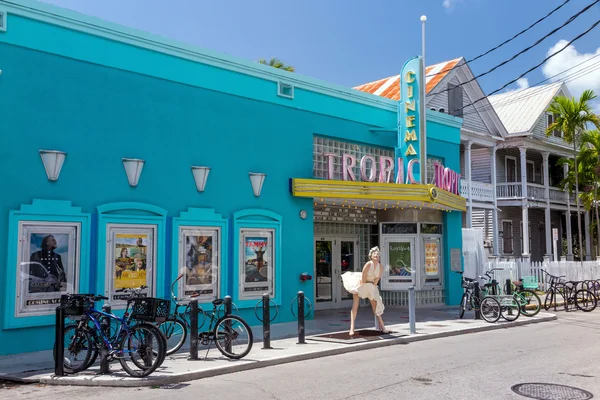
[{"x": 383, "y": 170}]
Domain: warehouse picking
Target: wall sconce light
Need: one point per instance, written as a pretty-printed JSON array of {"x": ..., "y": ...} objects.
[
  {"x": 200, "y": 176},
  {"x": 133, "y": 169},
  {"x": 257, "y": 180},
  {"x": 53, "y": 161}
]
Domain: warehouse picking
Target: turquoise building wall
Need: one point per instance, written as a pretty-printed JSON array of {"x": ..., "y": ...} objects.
[{"x": 99, "y": 100}]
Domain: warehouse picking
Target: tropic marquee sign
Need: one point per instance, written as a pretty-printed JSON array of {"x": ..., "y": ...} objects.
[{"x": 382, "y": 169}]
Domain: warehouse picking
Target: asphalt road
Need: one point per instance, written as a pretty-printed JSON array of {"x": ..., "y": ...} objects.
[{"x": 475, "y": 366}]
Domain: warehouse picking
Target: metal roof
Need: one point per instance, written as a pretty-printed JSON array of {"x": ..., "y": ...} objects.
[
  {"x": 390, "y": 87},
  {"x": 520, "y": 109}
]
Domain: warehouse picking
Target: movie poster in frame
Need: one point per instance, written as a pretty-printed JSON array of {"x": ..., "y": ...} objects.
[
  {"x": 199, "y": 262},
  {"x": 130, "y": 260},
  {"x": 47, "y": 266},
  {"x": 257, "y": 266}
]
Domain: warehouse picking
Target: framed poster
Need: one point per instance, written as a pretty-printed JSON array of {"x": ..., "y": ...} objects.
[
  {"x": 48, "y": 265},
  {"x": 257, "y": 267},
  {"x": 432, "y": 259},
  {"x": 200, "y": 262},
  {"x": 130, "y": 258},
  {"x": 399, "y": 258}
]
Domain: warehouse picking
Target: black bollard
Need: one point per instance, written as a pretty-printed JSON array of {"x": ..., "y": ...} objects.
[
  {"x": 266, "y": 321},
  {"x": 227, "y": 302},
  {"x": 105, "y": 324},
  {"x": 228, "y": 323},
  {"x": 477, "y": 294},
  {"x": 194, "y": 329},
  {"x": 59, "y": 343},
  {"x": 301, "y": 318}
]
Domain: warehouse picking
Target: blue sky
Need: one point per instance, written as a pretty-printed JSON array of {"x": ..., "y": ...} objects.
[{"x": 350, "y": 42}]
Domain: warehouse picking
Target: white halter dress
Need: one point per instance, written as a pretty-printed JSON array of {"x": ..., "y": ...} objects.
[{"x": 365, "y": 290}]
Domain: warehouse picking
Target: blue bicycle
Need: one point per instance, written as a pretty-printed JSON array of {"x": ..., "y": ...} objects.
[{"x": 140, "y": 343}]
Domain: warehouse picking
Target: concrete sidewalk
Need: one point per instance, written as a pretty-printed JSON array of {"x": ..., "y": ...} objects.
[{"x": 432, "y": 323}]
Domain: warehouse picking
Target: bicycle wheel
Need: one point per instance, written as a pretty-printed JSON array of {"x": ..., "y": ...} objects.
[
  {"x": 143, "y": 341},
  {"x": 474, "y": 301},
  {"x": 490, "y": 309},
  {"x": 175, "y": 332},
  {"x": 462, "y": 306},
  {"x": 510, "y": 308},
  {"x": 585, "y": 300},
  {"x": 529, "y": 301},
  {"x": 80, "y": 351},
  {"x": 160, "y": 335},
  {"x": 233, "y": 336},
  {"x": 550, "y": 299}
]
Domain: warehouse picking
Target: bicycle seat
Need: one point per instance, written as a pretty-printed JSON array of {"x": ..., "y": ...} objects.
[
  {"x": 217, "y": 302},
  {"x": 489, "y": 284}
]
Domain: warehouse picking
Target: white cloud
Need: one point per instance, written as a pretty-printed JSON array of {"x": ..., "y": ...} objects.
[
  {"x": 448, "y": 4},
  {"x": 585, "y": 73},
  {"x": 522, "y": 83}
]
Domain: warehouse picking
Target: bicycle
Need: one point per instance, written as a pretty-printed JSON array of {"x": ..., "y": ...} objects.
[
  {"x": 510, "y": 305},
  {"x": 488, "y": 307},
  {"x": 529, "y": 301},
  {"x": 584, "y": 299},
  {"x": 227, "y": 328},
  {"x": 91, "y": 338}
]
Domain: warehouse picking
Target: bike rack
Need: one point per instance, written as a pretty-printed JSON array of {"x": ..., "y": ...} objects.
[
  {"x": 300, "y": 299},
  {"x": 59, "y": 341},
  {"x": 194, "y": 330},
  {"x": 266, "y": 318}
]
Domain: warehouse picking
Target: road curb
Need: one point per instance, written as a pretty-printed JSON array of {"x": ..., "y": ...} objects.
[{"x": 194, "y": 375}]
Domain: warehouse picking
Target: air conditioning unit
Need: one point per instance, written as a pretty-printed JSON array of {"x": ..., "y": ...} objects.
[{"x": 487, "y": 243}]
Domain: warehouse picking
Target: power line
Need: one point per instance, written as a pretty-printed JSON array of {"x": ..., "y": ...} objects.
[
  {"x": 523, "y": 97},
  {"x": 507, "y": 41},
  {"x": 537, "y": 88},
  {"x": 536, "y": 66},
  {"x": 567, "y": 22}
]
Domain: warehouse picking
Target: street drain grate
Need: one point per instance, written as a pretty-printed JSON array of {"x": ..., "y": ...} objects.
[
  {"x": 172, "y": 386},
  {"x": 364, "y": 334},
  {"x": 551, "y": 391}
]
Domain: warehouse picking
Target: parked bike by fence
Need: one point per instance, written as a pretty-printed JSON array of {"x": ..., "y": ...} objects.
[
  {"x": 517, "y": 298},
  {"x": 572, "y": 293}
]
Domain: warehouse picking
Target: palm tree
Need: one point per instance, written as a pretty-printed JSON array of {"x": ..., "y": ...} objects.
[
  {"x": 590, "y": 164},
  {"x": 572, "y": 116},
  {"x": 276, "y": 63}
]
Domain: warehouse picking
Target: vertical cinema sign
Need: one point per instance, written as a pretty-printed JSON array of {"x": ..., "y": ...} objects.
[{"x": 408, "y": 147}]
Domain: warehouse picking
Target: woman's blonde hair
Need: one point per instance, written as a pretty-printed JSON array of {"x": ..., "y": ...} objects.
[{"x": 373, "y": 251}]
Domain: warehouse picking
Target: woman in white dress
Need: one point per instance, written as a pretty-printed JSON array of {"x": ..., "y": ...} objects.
[{"x": 364, "y": 285}]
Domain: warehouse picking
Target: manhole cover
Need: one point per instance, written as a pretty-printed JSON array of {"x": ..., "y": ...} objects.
[
  {"x": 550, "y": 391},
  {"x": 365, "y": 334}
]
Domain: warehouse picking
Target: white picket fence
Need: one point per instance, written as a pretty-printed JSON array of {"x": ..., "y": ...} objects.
[{"x": 571, "y": 270}]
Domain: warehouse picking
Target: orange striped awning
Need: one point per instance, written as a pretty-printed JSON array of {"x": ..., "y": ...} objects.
[{"x": 390, "y": 87}]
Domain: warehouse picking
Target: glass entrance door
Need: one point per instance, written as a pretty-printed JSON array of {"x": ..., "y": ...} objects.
[{"x": 333, "y": 257}]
